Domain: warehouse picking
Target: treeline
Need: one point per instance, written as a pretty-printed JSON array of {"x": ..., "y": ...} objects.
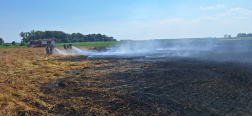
[
  {"x": 1, "y": 41},
  {"x": 244, "y": 35},
  {"x": 62, "y": 37},
  {"x": 8, "y": 44}
]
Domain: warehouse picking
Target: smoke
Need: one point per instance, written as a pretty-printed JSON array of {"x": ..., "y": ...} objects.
[{"x": 217, "y": 50}]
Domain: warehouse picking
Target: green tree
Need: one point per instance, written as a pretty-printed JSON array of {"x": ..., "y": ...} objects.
[
  {"x": 60, "y": 36},
  {"x": 249, "y": 35},
  {"x": 13, "y": 43},
  {"x": 39, "y": 35},
  {"x": 241, "y": 35},
  {"x": 25, "y": 36},
  {"x": 1, "y": 41},
  {"x": 32, "y": 35},
  {"x": 22, "y": 34},
  {"x": 23, "y": 44}
]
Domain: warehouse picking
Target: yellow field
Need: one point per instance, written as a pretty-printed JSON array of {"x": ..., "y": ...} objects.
[{"x": 22, "y": 73}]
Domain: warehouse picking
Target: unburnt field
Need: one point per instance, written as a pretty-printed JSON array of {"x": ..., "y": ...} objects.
[{"x": 34, "y": 84}]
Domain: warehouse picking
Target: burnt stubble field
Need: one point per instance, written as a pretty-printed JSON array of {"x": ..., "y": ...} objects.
[{"x": 179, "y": 79}]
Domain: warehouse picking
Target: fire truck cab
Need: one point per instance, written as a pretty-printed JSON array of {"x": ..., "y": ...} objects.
[{"x": 40, "y": 43}]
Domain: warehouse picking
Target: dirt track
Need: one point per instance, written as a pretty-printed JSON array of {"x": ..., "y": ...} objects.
[{"x": 32, "y": 83}]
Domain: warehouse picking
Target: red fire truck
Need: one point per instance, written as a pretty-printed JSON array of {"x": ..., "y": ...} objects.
[{"x": 41, "y": 43}]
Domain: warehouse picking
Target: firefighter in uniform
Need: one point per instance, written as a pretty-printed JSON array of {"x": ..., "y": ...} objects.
[
  {"x": 65, "y": 46},
  {"x": 70, "y": 45},
  {"x": 51, "y": 49},
  {"x": 47, "y": 49}
]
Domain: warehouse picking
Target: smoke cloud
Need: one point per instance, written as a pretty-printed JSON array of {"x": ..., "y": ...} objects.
[{"x": 216, "y": 50}]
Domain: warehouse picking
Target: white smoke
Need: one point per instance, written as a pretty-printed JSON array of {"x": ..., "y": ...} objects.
[{"x": 219, "y": 50}]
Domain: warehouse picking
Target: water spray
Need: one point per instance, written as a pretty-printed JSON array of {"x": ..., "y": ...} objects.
[
  {"x": 60, "y": 52},
  {"x": 79, "y": 51}
]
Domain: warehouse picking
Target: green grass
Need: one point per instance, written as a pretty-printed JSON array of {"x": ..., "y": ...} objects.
[
  {"x": 94, "y": 44},
  {"x": 13, "y": 46}
]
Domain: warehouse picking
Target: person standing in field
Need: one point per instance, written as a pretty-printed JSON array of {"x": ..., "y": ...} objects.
[
  {"x": 47, "y": 49},
  {"x": 65, "y": 46},
  {"x": 70, "y": 45},
  {"x": 51, "y": 49}
]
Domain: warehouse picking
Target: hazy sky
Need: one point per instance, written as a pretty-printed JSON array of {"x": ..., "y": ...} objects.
[{"x": 127, "y": 19}]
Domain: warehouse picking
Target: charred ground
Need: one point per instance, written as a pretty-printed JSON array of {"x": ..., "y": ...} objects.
[{"x": 175, "y": 87}]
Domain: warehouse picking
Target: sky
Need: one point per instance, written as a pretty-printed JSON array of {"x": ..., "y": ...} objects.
[{"x": 127, "y": 19}]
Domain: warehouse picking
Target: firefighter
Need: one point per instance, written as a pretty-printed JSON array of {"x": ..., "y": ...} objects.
[
  {"x": 70, "y": 45},
  {"x": 47, "y": 49},
  {"x": 51, "y": 49},
  {"x": 65, "y": 46}
]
